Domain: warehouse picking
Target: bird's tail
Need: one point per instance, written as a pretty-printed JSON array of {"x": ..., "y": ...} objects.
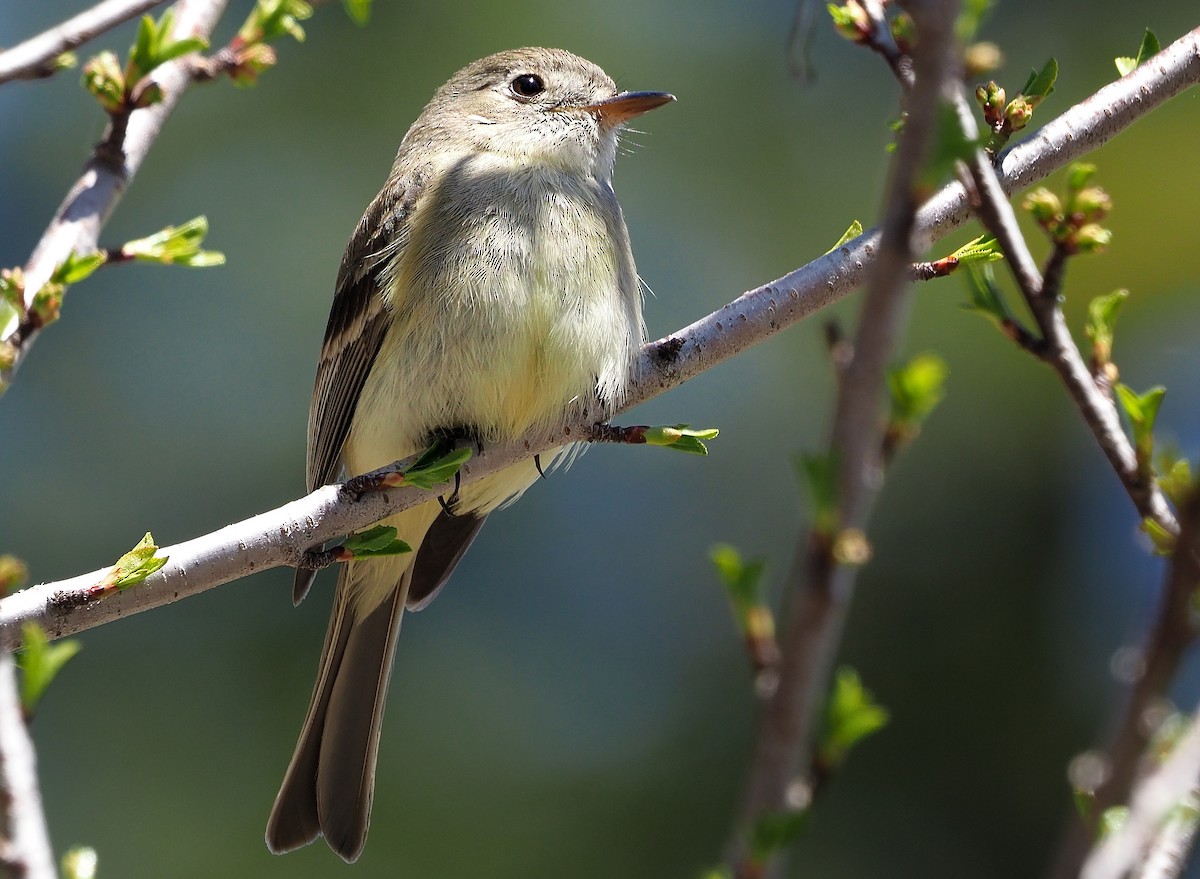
[{"x": 330, "y": 782}]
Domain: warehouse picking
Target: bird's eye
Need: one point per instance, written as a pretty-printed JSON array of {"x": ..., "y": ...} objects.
[{"x": 527, "y": 85}]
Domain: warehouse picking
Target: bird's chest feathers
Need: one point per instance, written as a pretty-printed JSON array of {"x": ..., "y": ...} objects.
[{"x": 511, "y": 300}]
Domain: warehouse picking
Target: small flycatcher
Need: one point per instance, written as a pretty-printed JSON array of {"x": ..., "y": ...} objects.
[{"x": 489, "y": 288}]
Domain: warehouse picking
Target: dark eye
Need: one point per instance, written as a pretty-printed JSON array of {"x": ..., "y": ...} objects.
[{"x": 527, "y": 85}]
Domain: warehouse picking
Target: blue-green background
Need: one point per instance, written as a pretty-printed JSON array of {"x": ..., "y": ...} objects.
[{"x": 577, "y": 703}]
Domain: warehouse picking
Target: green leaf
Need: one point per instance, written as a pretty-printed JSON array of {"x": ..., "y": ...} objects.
[
  {"x": 80, "y": 863},
  {"x": 982, "y": 249},
  {"x": 916, "y": 388},
  {"x": 742, "y": 580},
  {"x": 358, "y": 10},
  {"x": 852, "y": 715},
  {"x": 175, "y": 245},
  {"x": 134, "y": 567},
  {"x": 1078, "y": 175},
  {"x": 1161, "y": 539},
  {"x": 1174, "y": 475},
  {"x": 103, "y": 79},
  {"x": 970, "y": 18},
  {"x": 1150, "y": 46},
  {"x": 1040, "y": 84},
  {"x": 433, "y": 468},
  {"x": 681, "y": 438},
  {"x": 774, "y": 830},
  {"x": 75, "y": 267},
  {"x": 40, "y": 661},
  {"x": 379, "y": 540},
  {"x": 1142, "y": 412},
  {"x": 819, "y": 479},
  {"x": 855, "y": 229},
  {"x": 1101, "y": 324},
  {"x": 986, "y": 299},
  {"x": 155, "y": 46},
  {"x": 850, "y": 21},
  {"x": 275, "y": 18}
]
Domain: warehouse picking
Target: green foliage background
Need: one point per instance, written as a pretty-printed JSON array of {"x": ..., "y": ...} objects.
[{"x": 577, "y": 702}]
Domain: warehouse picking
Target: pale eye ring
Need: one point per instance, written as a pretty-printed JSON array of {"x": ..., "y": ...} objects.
[{"x": 527, "y": 85}]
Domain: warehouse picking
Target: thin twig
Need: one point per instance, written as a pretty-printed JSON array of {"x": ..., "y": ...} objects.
[
  {"x": 25, "y": 850},
  {"x": 33, "y": 59},
  {"x": 820, "y": 589},
  {"x": 1058, "y": 348},
  {"x": 77, "y": 223},
  {"x": 280, "y": 536}
]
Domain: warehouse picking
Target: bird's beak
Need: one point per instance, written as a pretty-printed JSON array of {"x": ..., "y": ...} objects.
[{"x": 623, "y": 107}]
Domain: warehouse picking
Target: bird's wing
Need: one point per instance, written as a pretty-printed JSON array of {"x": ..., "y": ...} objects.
[{"x": 358, "y": 321}]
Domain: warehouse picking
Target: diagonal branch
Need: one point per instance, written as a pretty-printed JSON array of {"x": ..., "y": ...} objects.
[
  {"x": 33, "y": 58},
  {"x": 280, "y": 537},
  {"x": 1058, "y": 348},
  {"x": 77, "y": 223},
  {"x": 820, "y": 588}
]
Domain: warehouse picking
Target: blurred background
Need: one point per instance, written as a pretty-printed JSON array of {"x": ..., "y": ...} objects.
[{"x": 577, "y": 702}]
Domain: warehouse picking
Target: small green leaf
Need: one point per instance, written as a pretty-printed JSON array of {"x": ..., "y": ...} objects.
[
  {"x": 175, "y": 245},
  {"x": 970, "y": 18},
  {"x": 774, "y": 830},
  {"x": 982, "y": 249},
  {"x": 1149, "y": 47},
  {"x": 681, "y": 438},
  {"x": 855, "y": 229},
  {"x": 275, "y": 18},
  {"x": 1102, "y": 322},
  {"x": 155, "y": 46},
  {"x": 76, "y": 267},
  {"x": 80, "y": 863},
  {"x": 742, "y": 580},
  {"x": 102, "y": 77},
  {"x": 819, "y": 478},
  {"x": 1040, "y": 84},
  {"x": 1161, "y": 539},
  {"x": 1174, "y": 475},
  {"x": 850, "y": 20},
  {"x": 1078, "y": 175},
  {"x": 358, "y": 10},
  {"x": 986, "y": 298},
  {"x": 916, "y": 388},
  {"x": 40, "y": 661},
  {"x": 433, "y": 468},
  {"x": 1142, "y": 412},
  {"x": 379, "y": 540},
  {"x": 133, "y": 567},
  {"x": 851, "y": 716}
]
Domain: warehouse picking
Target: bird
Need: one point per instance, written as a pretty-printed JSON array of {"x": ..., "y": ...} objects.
[{"x": 488, "y": 290}]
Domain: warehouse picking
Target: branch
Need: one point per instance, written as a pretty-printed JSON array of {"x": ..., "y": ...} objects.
[
  {"x": 1173, "y": 632},
  {"x": 280, "y": 537},
  {"x": 1165, "y": 789},
  {"x": 33, "y": 59},
  {"x": 76, "y": 225},
  {"x": 1057, "y": 348},
  {"x": 821, "y": 587},
  {"x": 25, "y": 850}
]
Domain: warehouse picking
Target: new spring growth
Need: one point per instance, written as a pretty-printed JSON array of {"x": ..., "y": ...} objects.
[{"x": 1073, "y": 222}]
